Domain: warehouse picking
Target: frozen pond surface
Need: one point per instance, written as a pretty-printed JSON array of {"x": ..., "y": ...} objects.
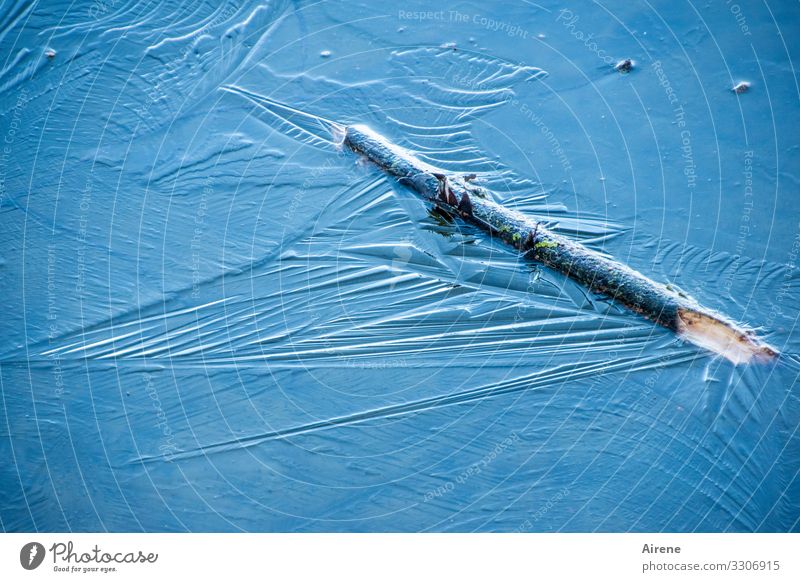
[{"x": 215, "y": 322}]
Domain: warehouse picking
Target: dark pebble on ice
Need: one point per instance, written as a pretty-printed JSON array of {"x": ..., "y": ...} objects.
[{"x": 741, "y": 87}]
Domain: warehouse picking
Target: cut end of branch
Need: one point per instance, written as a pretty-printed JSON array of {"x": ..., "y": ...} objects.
[{"x": 724, "y": 338}]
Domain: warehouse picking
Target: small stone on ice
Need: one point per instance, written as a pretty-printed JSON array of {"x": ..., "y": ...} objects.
[
  {"x": 741, "y": 87},
  {"x": 325, "y": 54},
  {"x": 624, "y": 66},
  {"x": 49, "y": 53}
]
